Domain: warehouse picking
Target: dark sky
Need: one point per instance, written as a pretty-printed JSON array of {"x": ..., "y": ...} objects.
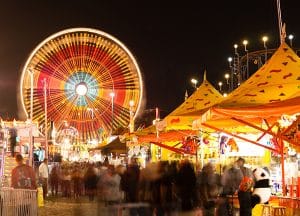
[{"x": 172, "y": 42}]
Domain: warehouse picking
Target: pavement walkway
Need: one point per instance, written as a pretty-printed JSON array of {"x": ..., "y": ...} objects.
[{"x": 61, "y": 206}]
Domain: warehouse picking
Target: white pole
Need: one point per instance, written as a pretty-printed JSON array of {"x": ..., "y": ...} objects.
[
  {"x": 112, "y": 95},
  {"x": 281, "y": 33},
  {"x": 31, "y": 118},
  {"x": 46, "y": 118}
]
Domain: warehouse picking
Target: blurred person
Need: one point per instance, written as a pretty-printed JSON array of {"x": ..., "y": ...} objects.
[
  {"x": 129, "y": 183},
  {"x": 110, "y": 182},
  {"x": 43, "y": 176},
  {"x": 230, "y": 180},
  {"x": 167, "y": 181},
  {"x": 54, "y": 180},
  {"x": 210, "y": 188},
  {"x": 244, "y": 194},
  {"x": 90, "y": 182},
  {"x": 23, "y": 176},
  {"x": 186, "y": 186},
  {"x": 77, "y": 181}
]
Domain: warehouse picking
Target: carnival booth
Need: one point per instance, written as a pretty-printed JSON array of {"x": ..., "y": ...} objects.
[
  {"x": 264, "y": 111},
  {"x": 173, "y": 138}
]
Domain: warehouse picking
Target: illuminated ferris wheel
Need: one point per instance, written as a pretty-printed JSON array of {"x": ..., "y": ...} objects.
[{"x": 90, "y": 79}]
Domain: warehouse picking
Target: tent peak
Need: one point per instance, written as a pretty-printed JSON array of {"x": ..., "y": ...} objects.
[{"x": 204, "y": 75}]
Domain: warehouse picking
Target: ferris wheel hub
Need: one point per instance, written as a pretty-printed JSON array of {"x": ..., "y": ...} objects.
[{"x": 81, "y": 89}]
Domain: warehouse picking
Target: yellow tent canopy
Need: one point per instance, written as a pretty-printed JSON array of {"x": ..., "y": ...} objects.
[
  {"x": 267, "y": 94},
  {"x": 178, "y": 124},
  {"x": 277, "y": 80},
  {"x": 200, "y": 101}
]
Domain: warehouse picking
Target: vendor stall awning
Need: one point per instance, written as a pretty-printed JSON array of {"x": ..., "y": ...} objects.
[
  {"x": 167, "y": 136},
  {"x": 115, "y": 146},
  {"x": 222, "y": 117}
]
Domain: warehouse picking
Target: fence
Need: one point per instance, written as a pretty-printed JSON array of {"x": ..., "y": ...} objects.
[{"x": 17, "y": 202}]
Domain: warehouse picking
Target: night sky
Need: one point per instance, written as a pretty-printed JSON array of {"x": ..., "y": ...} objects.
[{"x": 172, "y": 42}]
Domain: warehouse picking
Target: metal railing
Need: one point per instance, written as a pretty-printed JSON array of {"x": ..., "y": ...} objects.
[{"x": 17, "y": 202}]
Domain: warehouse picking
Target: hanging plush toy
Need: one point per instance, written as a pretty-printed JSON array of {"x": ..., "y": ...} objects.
[
  {"x": 262, "y": 189},
  {"x": 233, "y": 145},
  {"x": 223, "y": 144}
]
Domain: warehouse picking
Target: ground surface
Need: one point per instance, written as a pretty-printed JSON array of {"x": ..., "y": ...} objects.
[{"x": 83, "y": 207}]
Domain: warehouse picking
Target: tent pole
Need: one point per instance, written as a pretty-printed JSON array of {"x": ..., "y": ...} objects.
[{"x": 282, "y": 167}]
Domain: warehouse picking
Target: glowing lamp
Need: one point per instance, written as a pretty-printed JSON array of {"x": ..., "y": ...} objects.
[
  {"x": 245, "y": 42},
  {"x": 265, "y": 38}
]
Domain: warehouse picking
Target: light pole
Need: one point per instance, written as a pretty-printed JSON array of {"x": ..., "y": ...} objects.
[
  {"x": 231, "y": 73},
  {"x": 236, "y": 65},
  {"x": 112, "y": 95},
  {"x": 131, "y": 116},
  {"x": 291, "y": 37},
  {"x": 245, "y": 42},
  {"x": 31, "y": 72},
  {"x": 46, "y": 117},
  {"x": 227, "y": 80},
  {"x": 235, "y": 46},
  {"x": 194, "y": 81},
  {"x": 265, "y": 39}
]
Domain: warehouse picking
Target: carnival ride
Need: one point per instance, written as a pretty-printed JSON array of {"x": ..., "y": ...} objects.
[{"x": 85, "y": 77}]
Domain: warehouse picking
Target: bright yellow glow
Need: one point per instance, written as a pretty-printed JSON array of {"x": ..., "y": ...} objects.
[
  {"x": 220, "y": 83},
  {"x": 81, "y": 89},
  {"x": 230, "y": 59},
  {"x": 291, "y": 37},
  {"x": 235, "y": 46},
  {"x": 265, "y": 38},
  {"x": 245, "y": 42},
  {"x": 227, "y": 76},
  {"x": 225, "y": 95},
  {"x": 131, "y": 103},
  {"x": 112, "y": 94}
]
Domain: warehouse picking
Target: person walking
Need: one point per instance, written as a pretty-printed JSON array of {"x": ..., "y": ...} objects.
[
  {"x": 43, "y": 176},
  {"x": 209, "y": 188},
  {"x": 244, "y": 193},
  {"x": 54, "y": 180},
  {"x": 23, "y": 176},
  {"x": 90, "y": 182},
  {"x": 230, "y": 180}
]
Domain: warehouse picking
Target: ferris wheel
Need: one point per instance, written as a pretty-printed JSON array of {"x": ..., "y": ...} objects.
[{"x": 85, "y": 77}]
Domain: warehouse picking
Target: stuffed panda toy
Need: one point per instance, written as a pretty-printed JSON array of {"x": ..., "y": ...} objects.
[{"x": 262, "y": 188}]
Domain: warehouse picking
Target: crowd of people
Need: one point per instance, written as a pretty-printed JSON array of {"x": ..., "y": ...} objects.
[{"x": 165, "y": 187}]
